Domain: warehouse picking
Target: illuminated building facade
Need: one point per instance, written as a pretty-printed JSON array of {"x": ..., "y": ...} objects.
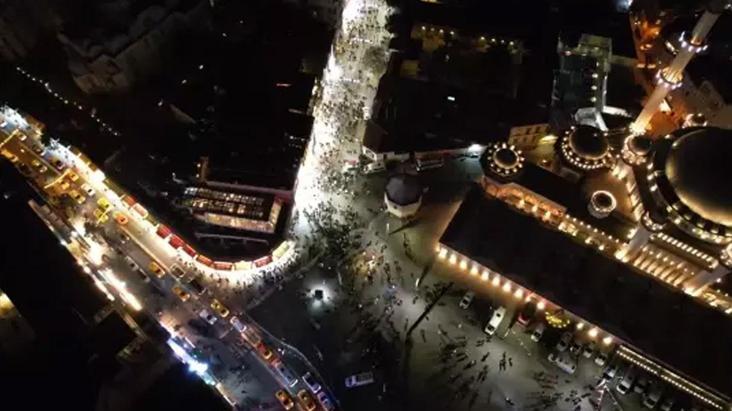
[{"x": 597, "y": 226}]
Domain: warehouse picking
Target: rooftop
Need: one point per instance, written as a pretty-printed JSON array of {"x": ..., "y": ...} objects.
[
  {"x": 674, "y": 328},
  {"x": 403, "y": 189}
]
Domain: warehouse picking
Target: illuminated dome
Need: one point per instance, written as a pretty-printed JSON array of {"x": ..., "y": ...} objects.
[
  {"x": 691, "y": 168},
  {"x": 640, "y": 145},
  {"x": 585, "y": 147},
  {"x": 502, "y": 160},
  {"x": 602, "y": 203}
]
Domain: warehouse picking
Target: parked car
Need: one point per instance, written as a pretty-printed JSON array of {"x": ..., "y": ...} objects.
[
  {"x": 668, "y": 403},
  {"x": 360, "y": 379},
  {"x": 495, "y": 320},
  {"x": 611, "y": 371},
  {"x": 206, "y": 315},
  {"x": 131, "y": 263},
  {"x": 589, "y": 350},
  {"x": 285, "y": 400},
  {"x": 325, "y": 402},
  {"x": 87, "y": 189},
  {"x": 651, "y": 397},
  {"x": 220, "y": 308},
  {"x": 574, "y": 347},
  {"x": 306, "y": 400},
  {"x": 155, "y": 268},
  {"x": 238, "y": 325},
  {"x": 527, "y": 313},
  {"x": 142, "y": 275},
  {"x": 626, "y": 383},
  {"x": 601, "y": 358},
  {"x": 196, "y": 286},
  {"x": 467, "y": 299},
  {"x": 641, "y": 385},
  {"x": 538, "y": 331},
  {"x": 309, "y": 380},
  {"x": 286, "y": 374},
  {"x": 182, "y": 294},
  {"x": 563, "y": 342},
  {"x": 375, "y": 167}
]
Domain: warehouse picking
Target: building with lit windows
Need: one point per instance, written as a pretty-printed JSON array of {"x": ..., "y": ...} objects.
[{"x": 627, "y": 234}]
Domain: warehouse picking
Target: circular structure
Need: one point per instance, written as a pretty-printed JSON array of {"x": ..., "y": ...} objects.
[
  {"x": 505, "y": 158},
  {"x": 502, "y": 160},
  {"x": 689, "y": 173},
  {"x": 586, "y": 148},
  {"x": 403, "y": 195},
  {"x": 635, "y": 149},
  {"x": 695, "y": 120},
  {"x": 640, "y": 145},
  {"x": 602, "y": 203}
]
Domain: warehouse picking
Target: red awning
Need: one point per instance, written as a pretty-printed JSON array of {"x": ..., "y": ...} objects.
[
  {"x": 176, "y": 242},
  {"x": 129, "y": 200},
  {"x": 204, "y": 260},
  {"x": 163, "y": 231},
  {"x": 222, "y": 265},
  {"x": 189, "y": 250},
  {"x": 262, "y": 261}
]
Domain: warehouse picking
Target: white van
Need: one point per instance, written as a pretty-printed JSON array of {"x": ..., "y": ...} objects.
[
  {"x": 626, "y": 383},
  {"x": 358, "y": 380},
  {"x": 495, "y": 321},
  {"x": 375, "y": 167}
]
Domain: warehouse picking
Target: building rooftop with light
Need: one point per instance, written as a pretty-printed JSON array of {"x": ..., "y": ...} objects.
[{"x": 626, "y": 233}]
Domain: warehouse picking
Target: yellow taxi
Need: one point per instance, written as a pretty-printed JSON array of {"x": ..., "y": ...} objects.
[
  {"x": 264, "y": 351},
  {"x": 64, "y": 185},
  {"x": 284, "y": 398},
  {"x": 104, "y": 203},
  {"x": 73, "y": 176},
  {"x": 10, "y": 156},
  {"x": 306, "y": 400},
  {"x": 77, "y": 197},
  {"x": 100, "y": 215},
  {"x": 216, "y": 305},
  {"x": 155, "y": 268},
  {"x": 181, "y": 293},
  {"x": 35, "y": 163}
]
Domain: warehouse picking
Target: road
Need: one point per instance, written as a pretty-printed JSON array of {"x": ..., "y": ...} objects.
[
  {"x": 117, "y": 247},
  {"x": 115, "y": 244}
]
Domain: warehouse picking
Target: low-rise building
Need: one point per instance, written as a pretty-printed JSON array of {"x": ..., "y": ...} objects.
[{"x": 104, "y": 60}]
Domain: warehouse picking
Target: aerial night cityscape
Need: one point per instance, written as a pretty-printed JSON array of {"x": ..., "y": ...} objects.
[{"x": 321, "y": 205}]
